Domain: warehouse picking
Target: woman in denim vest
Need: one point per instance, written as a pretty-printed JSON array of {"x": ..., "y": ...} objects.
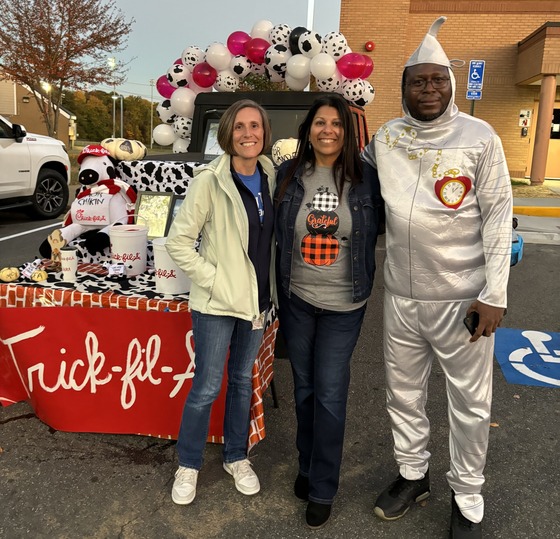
[{"x": 328, "y": 212}]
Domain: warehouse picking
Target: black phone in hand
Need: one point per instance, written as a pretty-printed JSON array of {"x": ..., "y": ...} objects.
[{"x": 471, "y": 322}]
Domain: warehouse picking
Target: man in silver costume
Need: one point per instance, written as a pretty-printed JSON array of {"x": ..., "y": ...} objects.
[{"x": 448, "y": 206}]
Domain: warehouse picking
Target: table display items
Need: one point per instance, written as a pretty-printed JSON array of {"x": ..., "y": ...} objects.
[
  {"x": 129, "y": 246},
  {"x": 102, "y": 201},
  {"x": 170, "y": 278},
  {"x": 69, "y": 263}
]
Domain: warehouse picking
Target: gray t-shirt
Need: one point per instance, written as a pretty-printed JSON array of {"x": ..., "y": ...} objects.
[{"x": 321, "y": 266}]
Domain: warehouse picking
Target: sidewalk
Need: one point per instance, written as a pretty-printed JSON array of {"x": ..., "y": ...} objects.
[{"x": 539, "y": 219}]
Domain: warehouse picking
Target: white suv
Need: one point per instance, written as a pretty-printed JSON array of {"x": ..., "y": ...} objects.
[{"x": 34, "y": 171}]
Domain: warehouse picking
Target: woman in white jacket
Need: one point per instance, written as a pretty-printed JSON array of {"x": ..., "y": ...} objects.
[{"x": 229, "y": 207}]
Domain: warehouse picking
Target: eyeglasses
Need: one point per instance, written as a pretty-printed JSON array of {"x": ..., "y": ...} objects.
[{"x": 420, "y": 84}]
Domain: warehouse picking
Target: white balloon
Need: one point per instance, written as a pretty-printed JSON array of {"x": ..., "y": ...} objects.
[
  {"x": 335, "y": 45},
  {"x": 258, "y": 69},
  {"x": 182, "y": 102},
  {"x": 182, "y": 126},
  {"x": 309, "y": 43},
  {"x": 295, "y": 84},
  {"x": 276, "y": 58},
  {"x": 261, "y": 29},
  {"x": 352, "y": 90},
  {"x": 164, "y": 112},
  {"x": 181, "y": 145},
  {"x": 164, "y": 135},
  {"x": 280, "y": 35},
  {"x": 192, "y": 55},
  {"x": 240, "y": 65},
  {"x": 178, "y": 75},
  {"x": 226, "y": 81},
  {"x": 322, "y": 66},
  {"x": 274, "y": 76},
  {"x": 368, "y": 95},
  {"x": 297, "y": 66},
  {"x": 218, "y": 56},
  {"x": 332, "y": 84}
]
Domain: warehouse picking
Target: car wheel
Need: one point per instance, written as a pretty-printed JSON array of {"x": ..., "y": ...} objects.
[{"x": 51, "y": 195}]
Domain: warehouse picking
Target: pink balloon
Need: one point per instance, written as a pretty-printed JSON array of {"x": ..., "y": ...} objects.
[
  {"x": 255, "y": 49},
  {"x": 351, "y": 65},
  {"x": 236, "y": 42},
  {"x": 204, "y": 75},
  {"x": 368, "y": 69},
  {"x": 164, "y": 88},
  {"x": 178, "y": 61}
]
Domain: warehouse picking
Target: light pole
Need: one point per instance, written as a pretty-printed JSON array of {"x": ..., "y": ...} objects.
[
  {"x": 115, "y": 97},
  {"x": 112, "y": 63},
  {"x": 152, "y": 83}
]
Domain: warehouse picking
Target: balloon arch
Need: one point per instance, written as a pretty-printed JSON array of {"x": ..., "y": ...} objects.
[{"x": 280, "y": 53}]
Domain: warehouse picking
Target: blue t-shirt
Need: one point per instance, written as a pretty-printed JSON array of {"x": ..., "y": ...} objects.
[{"x": 253, "y": 183}]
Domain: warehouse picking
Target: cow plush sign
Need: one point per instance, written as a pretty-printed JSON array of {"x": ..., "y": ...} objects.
[{"x": 101, "y": 201}]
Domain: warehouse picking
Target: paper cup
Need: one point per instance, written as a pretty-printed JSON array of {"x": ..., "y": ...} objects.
[{"x": 69, "y": 262}]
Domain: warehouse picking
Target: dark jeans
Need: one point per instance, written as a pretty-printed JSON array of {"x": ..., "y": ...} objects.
[{"x": 320, "y": 345}]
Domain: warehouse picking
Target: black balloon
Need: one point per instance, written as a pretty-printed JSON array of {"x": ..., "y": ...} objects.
[{"x": 293, "y": 41}]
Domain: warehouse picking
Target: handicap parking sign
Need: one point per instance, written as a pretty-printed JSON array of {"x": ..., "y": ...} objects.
[
  {"x": 476, "y": 75},
  {"x": 529, "y": 357}
]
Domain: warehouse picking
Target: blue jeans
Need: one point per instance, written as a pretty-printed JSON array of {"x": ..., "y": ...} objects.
[
  {"x": 320, "y": 345},
  {"x": 213, "y": 336}
]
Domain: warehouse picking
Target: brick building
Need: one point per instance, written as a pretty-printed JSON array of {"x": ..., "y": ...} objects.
[{"x": 519, "y": 40}]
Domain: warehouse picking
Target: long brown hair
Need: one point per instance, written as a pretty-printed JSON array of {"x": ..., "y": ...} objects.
[{"x": 348, "y": 165}]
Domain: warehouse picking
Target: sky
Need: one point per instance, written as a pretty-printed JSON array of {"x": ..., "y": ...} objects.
[{"x": 162, "y": 30}]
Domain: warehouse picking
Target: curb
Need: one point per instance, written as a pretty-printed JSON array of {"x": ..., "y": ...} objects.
[
  {"x": 537, "y": 211},
  {"x": 541, "y": 238}
]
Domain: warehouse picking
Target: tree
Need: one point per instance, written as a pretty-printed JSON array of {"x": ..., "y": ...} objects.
[
  {"x": 93, "y": 110},
  {"x": 260, "y": 83},
  {"x": 54, "y": 45}
]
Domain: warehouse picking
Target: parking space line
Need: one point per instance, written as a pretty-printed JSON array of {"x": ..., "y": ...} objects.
[{"x": 29, "y": 232}]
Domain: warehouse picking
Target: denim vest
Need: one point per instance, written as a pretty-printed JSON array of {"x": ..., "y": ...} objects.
[{"x": 366, "y": 208}]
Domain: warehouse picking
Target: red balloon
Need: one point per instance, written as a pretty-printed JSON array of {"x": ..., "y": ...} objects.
[
  {"x": 255, "y": 49},
  {"x": 368, "y": 69},
  {"x": 351, "y": 65},
  {"x": 204, "y": 75},
  {"x": 178, "y": 61},
  {"x": 236, "y": 42},
  {"x": 164, "y": 88}
]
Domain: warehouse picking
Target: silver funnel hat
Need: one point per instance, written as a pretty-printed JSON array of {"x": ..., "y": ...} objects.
[{"x": 430, "y": 51}]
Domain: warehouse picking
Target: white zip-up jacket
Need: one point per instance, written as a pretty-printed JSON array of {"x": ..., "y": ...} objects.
[
  {"x": 224, "y": 280},
  {"x": 448, "y": 201}
]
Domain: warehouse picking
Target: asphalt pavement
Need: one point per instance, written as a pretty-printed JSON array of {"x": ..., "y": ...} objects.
[{"x": 77, "y": 485}]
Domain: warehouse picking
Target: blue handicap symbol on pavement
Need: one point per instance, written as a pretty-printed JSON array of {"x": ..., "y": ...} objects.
[{"x": 529, "y": 357}]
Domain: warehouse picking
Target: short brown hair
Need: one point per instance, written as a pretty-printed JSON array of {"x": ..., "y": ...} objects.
[{"x": 225, "y": 128}]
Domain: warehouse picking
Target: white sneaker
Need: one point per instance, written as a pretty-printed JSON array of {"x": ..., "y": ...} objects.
[
  {"x": 184, "y": 487},
  {"x": 246, "y": 480}
]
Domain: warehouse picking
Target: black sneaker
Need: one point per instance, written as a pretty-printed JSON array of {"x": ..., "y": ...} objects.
[
  {"x": 396, "y": 499},
  {"x": 461, "y": 526},
  {"x": 317, "y": 515},
  {"x": 301, "y": 487}
]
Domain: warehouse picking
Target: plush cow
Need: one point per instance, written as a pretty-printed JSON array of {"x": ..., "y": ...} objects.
[{"x": 101, "y": 201}]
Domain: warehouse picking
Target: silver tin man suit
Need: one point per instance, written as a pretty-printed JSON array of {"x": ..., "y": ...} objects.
[{"x": 440, "y": 257}]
